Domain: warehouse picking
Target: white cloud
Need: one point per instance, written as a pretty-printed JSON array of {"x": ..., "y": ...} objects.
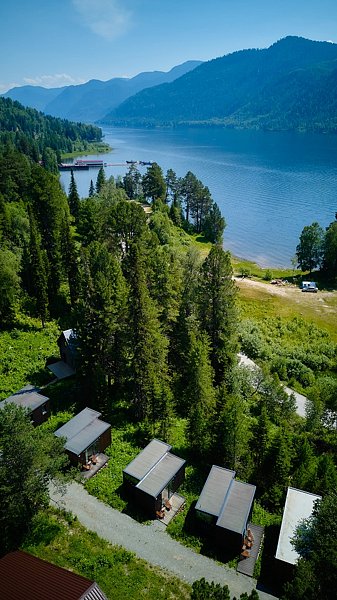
[
  {"x": 5, "y": 87},
  {"x": 106, "y": 18},
  {"x": 50, "y": 81}
]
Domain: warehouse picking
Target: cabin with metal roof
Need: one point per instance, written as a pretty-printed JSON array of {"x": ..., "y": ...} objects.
[
  {"x": 154, "y": 476},
  {"x": 30, "y": 578},
  {"x": 86, "y": 436},
  {"x": 225, "y": 505},
  {"x": 36, "y": 404},
  {"x": 67, "y": 343},
  {"x": 298, "y": 506}
]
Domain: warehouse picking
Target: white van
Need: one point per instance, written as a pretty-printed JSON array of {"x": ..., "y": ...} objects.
[{"x": 309, "y": 286}]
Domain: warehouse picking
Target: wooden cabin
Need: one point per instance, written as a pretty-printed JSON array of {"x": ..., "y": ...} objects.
[
  {"x": 29, "y": 397},
  {"x": 67, "y": 343},
  {"x": 86, "y": 436},
  {"x": 224, "y": 507},
  {"x": 154, "y": 476}
]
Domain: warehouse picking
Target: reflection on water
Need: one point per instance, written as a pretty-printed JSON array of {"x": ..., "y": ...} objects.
[{"x": 267, "y": 185}]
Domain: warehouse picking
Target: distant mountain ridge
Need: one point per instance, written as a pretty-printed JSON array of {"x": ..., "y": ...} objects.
[
  {"x": 290, "y": 85},
  {"x": 91, "y": 101}
]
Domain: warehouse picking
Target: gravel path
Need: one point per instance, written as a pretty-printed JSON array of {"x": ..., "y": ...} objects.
[{"x": 150, "y": 542}]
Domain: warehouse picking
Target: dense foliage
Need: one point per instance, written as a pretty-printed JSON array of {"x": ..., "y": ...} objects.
[
  {"x": 317, "y": 249},
  {"x": 29, "y": 459},
  {"x": 315, "y": 542},
  {"x": 41, "y": 137}
]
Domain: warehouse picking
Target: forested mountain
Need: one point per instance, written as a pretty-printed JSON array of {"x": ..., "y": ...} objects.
[
  {"x": 92, "y": 100},
  {"x": 290, "y": 85},
  {"x": 42, "y": 137},
  {"x": 33, "y": 96}
]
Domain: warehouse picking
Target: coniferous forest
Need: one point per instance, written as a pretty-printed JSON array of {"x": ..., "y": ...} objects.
[{"x": 159, "y": 325}]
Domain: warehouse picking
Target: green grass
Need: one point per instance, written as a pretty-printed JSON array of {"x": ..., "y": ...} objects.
[
  {"x": 61, "y": 540},
  {"x": 24, "y": 351},
  {"x": 93, "y": 148}
]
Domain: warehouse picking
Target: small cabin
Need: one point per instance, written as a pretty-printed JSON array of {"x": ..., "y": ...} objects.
[
  {"x": 29, "y": 397},
  {"x": 298, "y": 506},
  {"x": 154, "y": 476},
  {"x": 86, "y": 436},
  {"x": 67, "y": 343},
  {"x": 224, "y": 507},
  {"x": 25, "y": 576}
]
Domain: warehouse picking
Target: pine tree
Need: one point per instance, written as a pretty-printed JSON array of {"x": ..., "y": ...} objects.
[
  {"x": 149, "y": 368},
  {"x": 4, "y": 220},
  {"x": 73, "y": 197},
  {"x": 153, "y": 182},
  {"x": 217, "y": 310},
  {"x": 91, "y": 189},
  {"x": 100, "y": 323},
  {"x": 232, "y": 433},
  {"x": 199, "y": 393},
  {"x": 277, "y": 468},
  {"x": 70, "y": 261},
  {"x": 38, "y": 276},
  {"x": 100, "y": 181}
]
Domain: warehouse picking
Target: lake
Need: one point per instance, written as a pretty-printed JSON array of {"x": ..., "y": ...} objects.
[{"x": 268, "y": 185}]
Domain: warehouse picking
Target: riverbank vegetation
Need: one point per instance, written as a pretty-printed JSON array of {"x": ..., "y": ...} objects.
[{"x": 159, "y": 325}]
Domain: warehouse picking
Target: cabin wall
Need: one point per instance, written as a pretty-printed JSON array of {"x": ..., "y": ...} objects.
[
  {"x": 67, "y": 355},
  {"x": 105, "y": 440},
  {"x": 177, "y": 480},
  {"x": 228, "y": 540},
  {"x": 41, "y": 414}
]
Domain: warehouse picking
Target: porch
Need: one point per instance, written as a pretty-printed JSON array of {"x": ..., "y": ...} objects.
[
  {"x": 250, "y": 555},
  {"x": 170, "y": 508},
  {"x": 92, "y": 467}
]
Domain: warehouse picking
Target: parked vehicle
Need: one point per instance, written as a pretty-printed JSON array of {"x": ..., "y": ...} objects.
[{"x": 309, "y": 286}]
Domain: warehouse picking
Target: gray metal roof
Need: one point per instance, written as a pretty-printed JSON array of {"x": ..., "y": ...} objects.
[
  {"x": 28, "y": 397},
  {"x": 161, "y": 474},
  {"x": 82, "y": 430},
  {"x": 237, "y": 506},
  {"x": 69, "y": 333},
  {"x": 298, "y": 506},
  {"x": 61, "y": 370},
  {"x": 215, "y": 490},
  {"x": 147, "y": 459}
]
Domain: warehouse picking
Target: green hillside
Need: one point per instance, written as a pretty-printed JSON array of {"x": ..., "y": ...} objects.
[{"x": 281, "y": 87}]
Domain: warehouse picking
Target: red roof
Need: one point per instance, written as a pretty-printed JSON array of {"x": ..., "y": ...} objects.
[{"x": 25, "y": 577}]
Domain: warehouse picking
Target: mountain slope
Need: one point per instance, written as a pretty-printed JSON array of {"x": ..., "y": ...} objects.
[
  {"x": 92, "y": 100},
  {"x": 291, "y": 85},
  {"x": 33, "y": 96}
]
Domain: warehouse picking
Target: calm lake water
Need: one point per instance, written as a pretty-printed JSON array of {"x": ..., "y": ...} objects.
[{"x": 267, "y": 185}]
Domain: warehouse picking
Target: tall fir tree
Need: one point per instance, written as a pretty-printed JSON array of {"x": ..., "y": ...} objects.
[
  {"x": 217, "y": 310},
  {"x": 73, "y": 197},
  {"x": 100, "y": 324},
  {"x": 153, "y": 183},
  {"x": 199, "y": 393},
  {"x": 149, "y": 368},
  {"x": 91, "y": 189},
  {"x": 101, "y": 180},
  {"x": 38, "y": 275}
]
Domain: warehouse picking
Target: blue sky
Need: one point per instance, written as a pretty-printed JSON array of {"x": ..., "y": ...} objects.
[{"x": 54, "y": 43}]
